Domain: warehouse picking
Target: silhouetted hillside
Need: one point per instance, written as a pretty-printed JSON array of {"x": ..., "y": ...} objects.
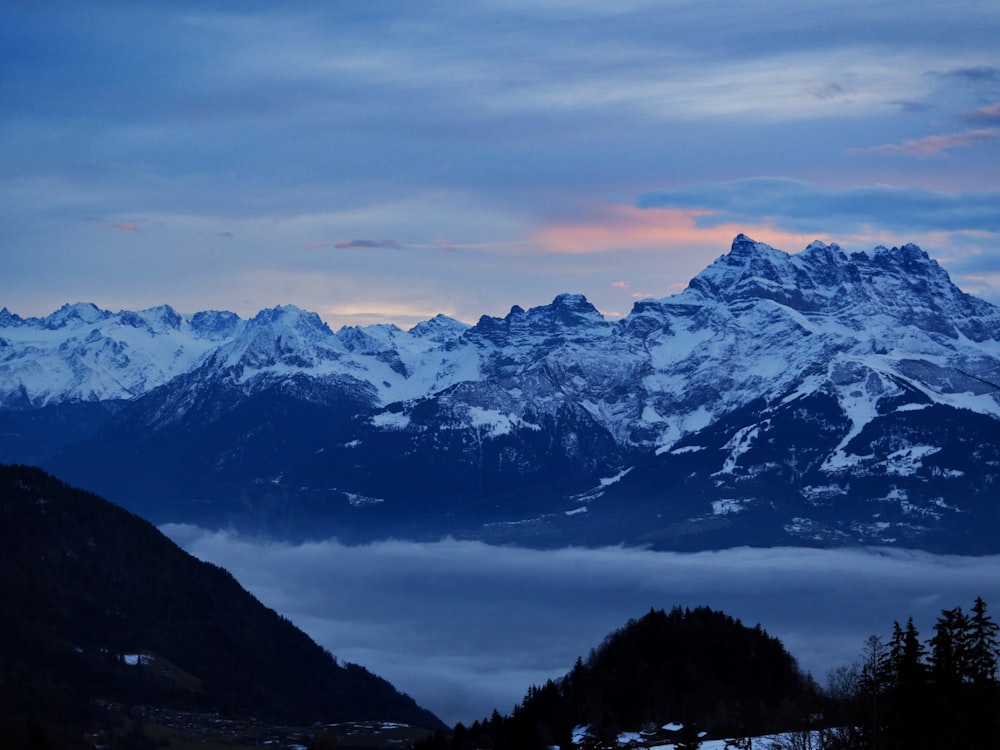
[
  {"x": 692, "y": 668},
  {"x": 96, "y": 603}
]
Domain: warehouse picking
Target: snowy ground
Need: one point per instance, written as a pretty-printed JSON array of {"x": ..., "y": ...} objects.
[{"x": 635, "y": 739}]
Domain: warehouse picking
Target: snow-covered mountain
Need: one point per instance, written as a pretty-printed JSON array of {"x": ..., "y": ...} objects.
[
  {"x": 818, "y": 398},
  {"x": 82, "y": 353}
]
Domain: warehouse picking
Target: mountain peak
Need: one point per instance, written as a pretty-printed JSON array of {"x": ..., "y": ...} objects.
[
  {"x": 215, "y": 324},
  {"x": 7, "y": 318},
  {"x": 290, "y": 316},
  {"x": 901, "y": 282},
  {"x": 909, "y": 258},
  {"x": 154, "y": 319},
  {"x": 745, "y": 246},
  {"x": 75, "y": 314},
  {"x": 440, "y": 328},
  {"x": 751, "y": 269},
  {"x": 576, "y": 301}
]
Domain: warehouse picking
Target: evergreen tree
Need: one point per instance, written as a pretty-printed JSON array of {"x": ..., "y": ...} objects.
[
  {"x": 950, "y": 649},
  {"x": 904, "y": 715},
  {"x": 982, "y": 698},
  {"x": 983, "y": 645}
]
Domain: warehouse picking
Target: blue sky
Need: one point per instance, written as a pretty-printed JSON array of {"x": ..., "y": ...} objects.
[{"x": 390, "y": 161}]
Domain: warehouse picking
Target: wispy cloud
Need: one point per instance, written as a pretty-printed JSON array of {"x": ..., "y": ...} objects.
[
  {"x": 125, "y": 226},
  {"x": 934, "y": 145},
  {"x": 804, "y": 207},
  {"x": 977, "y": 74},
  {"x": 613, "y": 228},
  {"x": 828, "y": 90},
  {"x": 461, "y": 658},
  {"x": 367, "y": 244},
  {"x": 912, "y": 107},
  {"x": 983, "y": 114}
]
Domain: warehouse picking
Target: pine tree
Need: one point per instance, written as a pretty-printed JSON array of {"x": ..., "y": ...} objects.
[
  {"x": 983, "y": 645},
  {"x": 983, "y": 696},
  {"x": 950, "y": 649},
  {"x": 905, "y": 719}
]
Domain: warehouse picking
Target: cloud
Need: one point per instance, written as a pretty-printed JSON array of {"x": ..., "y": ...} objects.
[
  {"x": 912, "y": 107},
  {"x": 366, "y": 244},
  {"x": 977, "y": 74},
  {"x": 828, "y": 90},
  {"x": 125, "y": 226},
  {"x": 619, "y": 285},
  {"x": 464, "y": 627},
  {"x": 804, "y": 207},
  {"x": 983, "y": 114},
  {"x": 652, "y": 227},
  {"x": 933, "y": 145}
]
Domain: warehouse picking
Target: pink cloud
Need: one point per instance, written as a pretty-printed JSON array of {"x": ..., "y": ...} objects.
[
  {"x": 619, "y": 285},
  {"x": 125, "y": 226},
  {"x": 936, "y": 144},
  {"x": 983, "y": 114},
  {"x": 615, "y": 228}
]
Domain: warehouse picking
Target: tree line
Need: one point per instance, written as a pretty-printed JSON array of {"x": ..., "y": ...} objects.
[{"x": 914, "y": 693}]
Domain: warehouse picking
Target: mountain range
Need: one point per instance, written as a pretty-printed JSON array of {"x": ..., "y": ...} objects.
[{"x": 817, "y": 398}]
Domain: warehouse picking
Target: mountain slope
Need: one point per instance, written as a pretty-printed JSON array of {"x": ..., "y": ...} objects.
[
  {"x": 85, "y": 583},
  {"x": 818, "y": 398}
]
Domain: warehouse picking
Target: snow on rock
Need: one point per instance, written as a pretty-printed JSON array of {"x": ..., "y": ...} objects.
[
  {"x": 391, "y": 420},
  {"x": 494, "y": 423}
]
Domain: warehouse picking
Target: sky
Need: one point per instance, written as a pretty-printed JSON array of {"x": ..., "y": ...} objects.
[
  {"x": 386, "y": 162},
  {"x": 464, "y": 627}
]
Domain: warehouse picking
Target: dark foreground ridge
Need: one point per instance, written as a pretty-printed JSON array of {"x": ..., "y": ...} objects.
[{"x": 98, "y": 606}]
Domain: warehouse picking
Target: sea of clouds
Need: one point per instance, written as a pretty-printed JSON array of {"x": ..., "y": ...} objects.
[{"x": 465, "y": 627}]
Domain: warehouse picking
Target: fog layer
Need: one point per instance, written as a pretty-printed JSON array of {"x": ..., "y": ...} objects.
[{"x": 465, "y": 627}]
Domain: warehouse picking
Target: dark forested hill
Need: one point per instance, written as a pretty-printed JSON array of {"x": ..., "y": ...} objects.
[
  {"x": 692, "y": 669},
  {"x": 96, "y": 603}
]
